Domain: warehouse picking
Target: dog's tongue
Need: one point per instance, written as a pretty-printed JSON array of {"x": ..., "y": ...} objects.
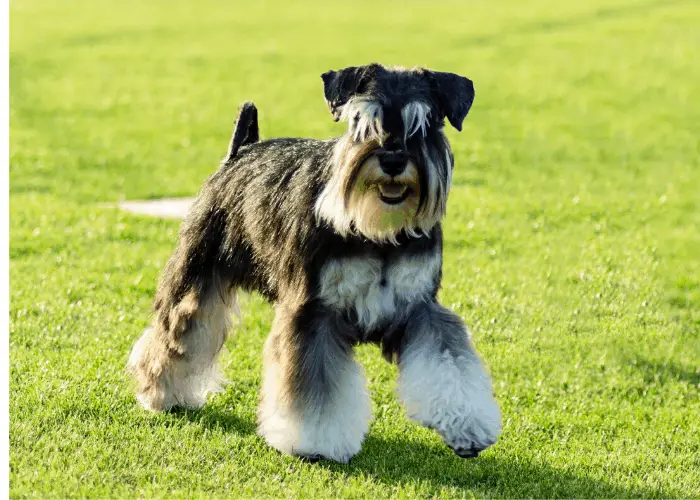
[{"x": 392, "y": 190}]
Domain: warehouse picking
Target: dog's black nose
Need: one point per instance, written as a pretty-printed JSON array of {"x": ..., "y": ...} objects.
[{"x": 393, "y": 163}]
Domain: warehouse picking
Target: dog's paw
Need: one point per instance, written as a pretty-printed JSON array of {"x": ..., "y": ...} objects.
[
  {"x": 310, "y": 446},
  {"x": 454, "y": 397},
  {"x": 312, "y": 441},
  {"x": 150, "y": 402},
  {"x": 473, "y": 431}
]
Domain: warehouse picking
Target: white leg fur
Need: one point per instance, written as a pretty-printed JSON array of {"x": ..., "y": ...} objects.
[
  {"x": 183, "y": 381},
  {"x": 449, "y": 392},
  {"x": 334, "y": 430}
]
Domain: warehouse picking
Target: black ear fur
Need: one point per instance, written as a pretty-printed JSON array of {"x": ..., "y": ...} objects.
[
  {"x": 339, "y": 86},
  {"x": 455, "y": 95}
]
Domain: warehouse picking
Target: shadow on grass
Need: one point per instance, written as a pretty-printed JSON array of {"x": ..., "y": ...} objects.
[
  {"x": 402, "y": 461},
  {"x": 667, "y": 371},
  {"x": 213, "y": 418},
  {"x": 397, "y": 461}
]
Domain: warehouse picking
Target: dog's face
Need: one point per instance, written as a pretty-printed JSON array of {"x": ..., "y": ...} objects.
[{"x": 393, "y": 167}]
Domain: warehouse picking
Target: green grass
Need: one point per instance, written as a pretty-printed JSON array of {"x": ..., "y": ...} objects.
[{"x": 572, "y": 239}]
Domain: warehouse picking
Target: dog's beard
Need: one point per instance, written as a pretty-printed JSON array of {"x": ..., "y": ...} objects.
[
  {"x": 361, "y": 199},
  {"x": 380, "y": 206}
]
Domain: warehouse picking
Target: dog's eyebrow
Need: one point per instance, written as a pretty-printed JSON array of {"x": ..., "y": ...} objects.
[
  {"x": 415, "y": 116},
  {"x": 365, "y": 119}
]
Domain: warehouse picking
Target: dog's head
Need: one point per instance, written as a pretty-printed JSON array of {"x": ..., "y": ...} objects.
[{"x": 393, "y": 167}]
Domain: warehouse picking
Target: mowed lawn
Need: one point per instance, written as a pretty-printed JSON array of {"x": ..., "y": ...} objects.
[{"x": 572, "y": 240}]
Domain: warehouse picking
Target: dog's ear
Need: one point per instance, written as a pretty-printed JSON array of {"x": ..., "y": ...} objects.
[
  {"x": 339, "y": 86},
  {"x": 455, "y": 95}
]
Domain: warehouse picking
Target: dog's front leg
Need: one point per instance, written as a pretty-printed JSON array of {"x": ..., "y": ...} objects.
[
  {"x": 443, "y": 383},
  {"x": 313, "y": 403}
]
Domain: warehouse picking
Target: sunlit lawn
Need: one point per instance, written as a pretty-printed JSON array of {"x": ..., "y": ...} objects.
[{"x": 573, "y": 241}]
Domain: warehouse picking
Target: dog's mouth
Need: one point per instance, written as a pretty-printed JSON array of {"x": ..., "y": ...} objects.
[{"x": 393, "y": 193}]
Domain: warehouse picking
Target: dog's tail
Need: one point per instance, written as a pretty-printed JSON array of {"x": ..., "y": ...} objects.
[{"x": 245, "y": 131}]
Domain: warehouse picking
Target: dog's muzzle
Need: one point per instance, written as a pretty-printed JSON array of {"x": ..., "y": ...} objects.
[{"x": 393, "y": 164}]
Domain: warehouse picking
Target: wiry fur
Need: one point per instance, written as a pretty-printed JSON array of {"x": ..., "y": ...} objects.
[
  {"x": 364, "y": 117},
  {"x": 415, "y": 115},
  {"x": 174, "y": 360},
  {"x": 329, "y": 421},
  {"x": 344, "y": 236},
  {"x": 345, "y": 207},
  {"x": 443, "y": 384}
]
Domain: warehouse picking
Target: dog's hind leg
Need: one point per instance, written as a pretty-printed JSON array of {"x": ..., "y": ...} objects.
[
  {"x": 174, "y": 361},
  {"x": 314, "y": 403},
  {"x": 176, "y": 366}
]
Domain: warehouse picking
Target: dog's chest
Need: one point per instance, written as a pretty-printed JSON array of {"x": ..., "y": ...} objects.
[{"x": 373, "y": 290}]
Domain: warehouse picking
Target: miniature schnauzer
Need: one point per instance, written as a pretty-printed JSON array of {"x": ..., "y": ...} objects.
[{"x": 344, "y": 237}]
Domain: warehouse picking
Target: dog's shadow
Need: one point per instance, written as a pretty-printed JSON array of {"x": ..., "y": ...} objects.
[
  {"x": 212, "y": 418},
  {"x": 403, "y": 461}
]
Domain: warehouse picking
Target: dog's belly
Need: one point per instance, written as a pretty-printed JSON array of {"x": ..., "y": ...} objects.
[{"x": 373, "y": 291}]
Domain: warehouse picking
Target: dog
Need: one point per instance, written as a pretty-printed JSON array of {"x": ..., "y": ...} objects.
[{"x": 344, "y": 237}]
